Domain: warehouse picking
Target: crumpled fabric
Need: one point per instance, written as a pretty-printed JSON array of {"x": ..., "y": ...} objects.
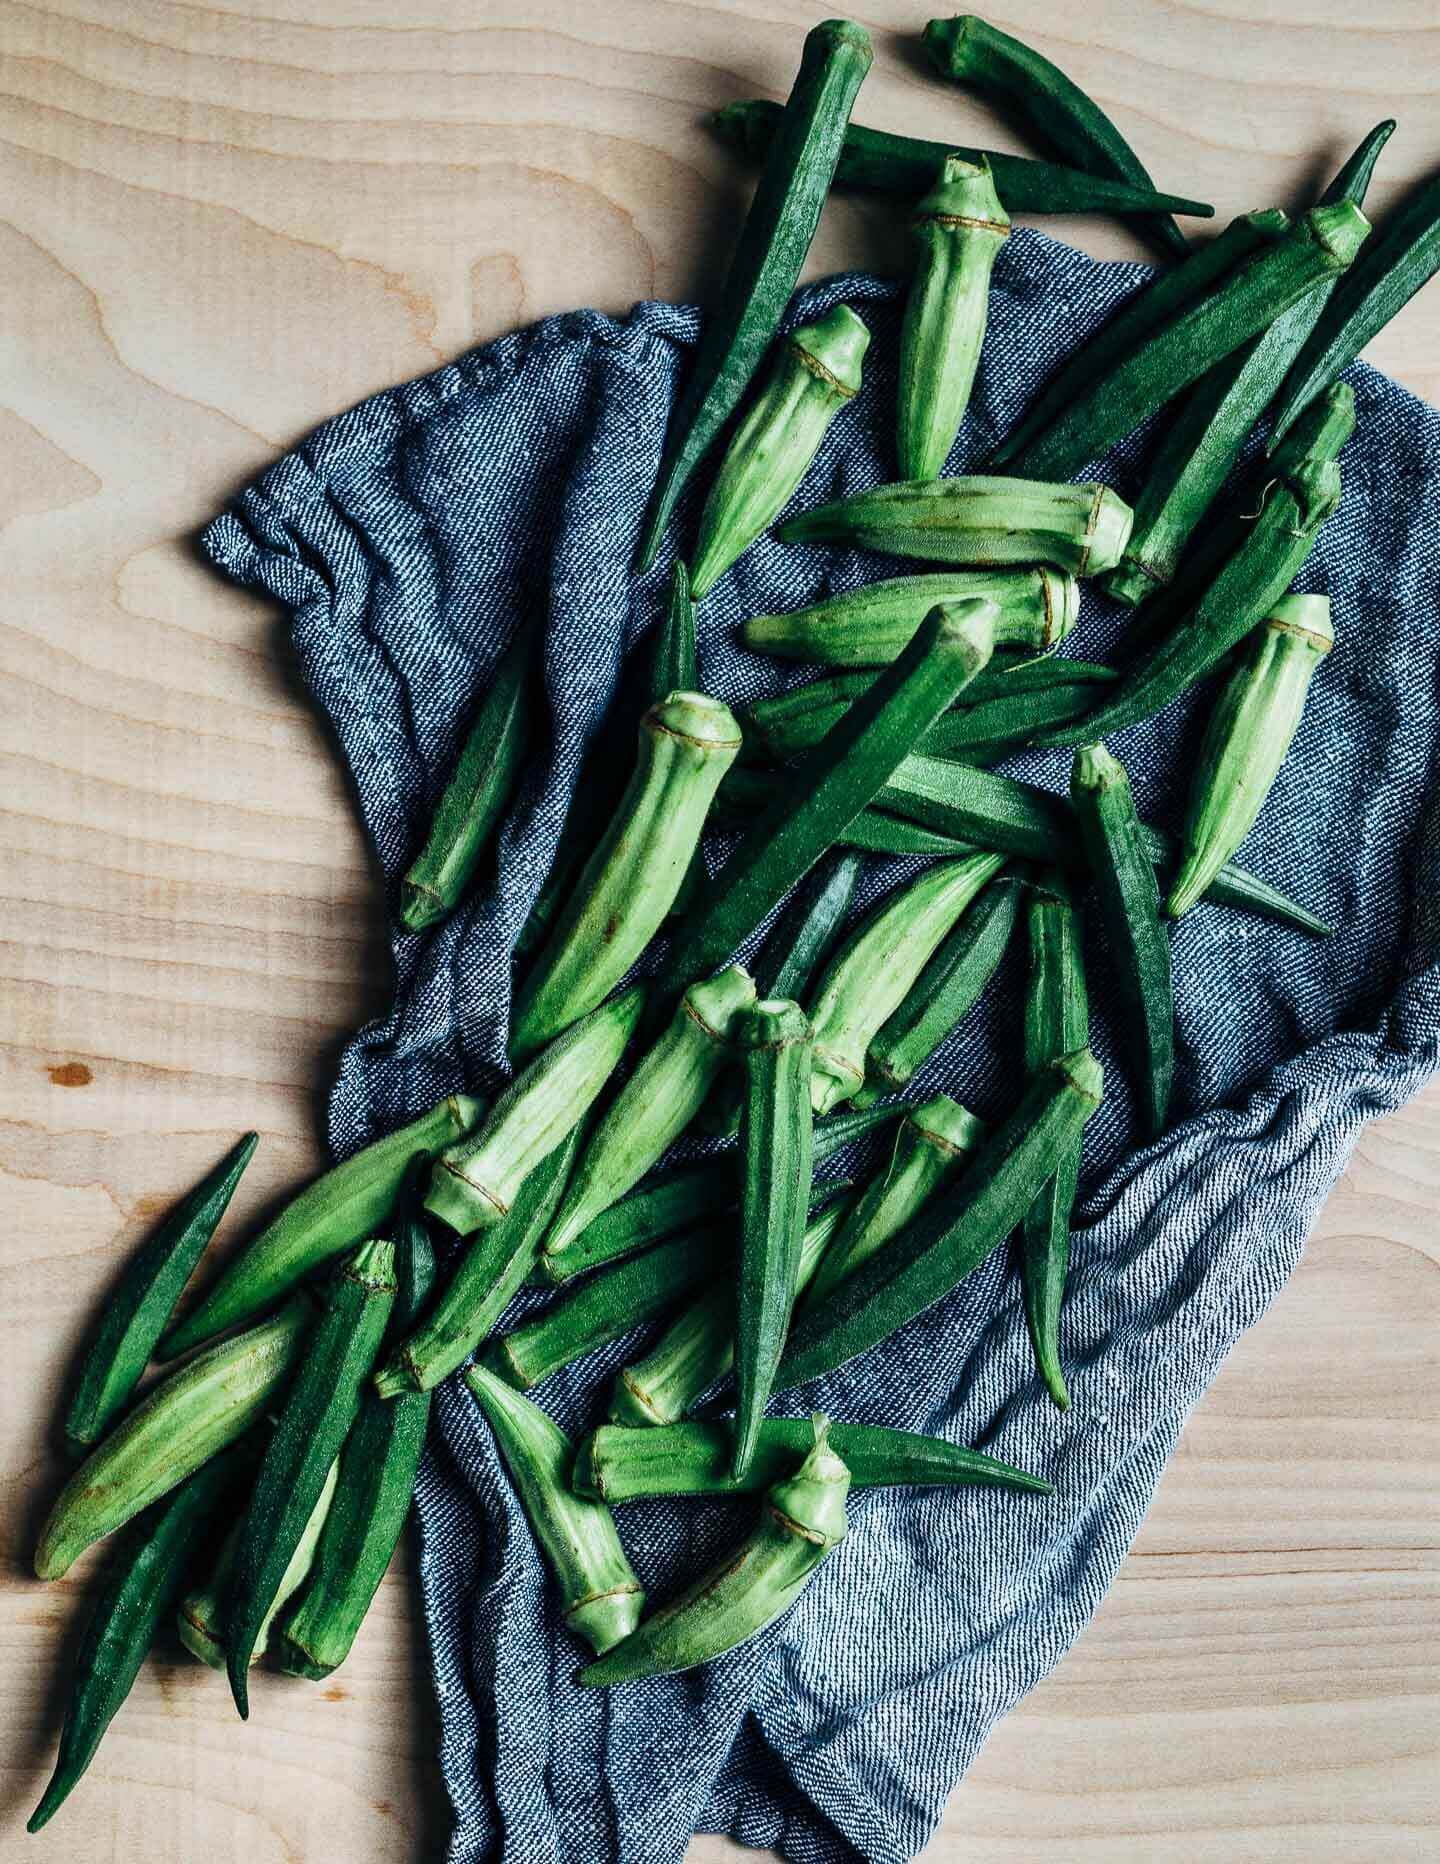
[{"x": 408, "y": 538}]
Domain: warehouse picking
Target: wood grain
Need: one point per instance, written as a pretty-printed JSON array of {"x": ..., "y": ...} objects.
[{"x": 225, "y": 219}]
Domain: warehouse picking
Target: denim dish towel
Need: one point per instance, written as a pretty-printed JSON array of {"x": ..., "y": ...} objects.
[{"x": 408, "y": 538}]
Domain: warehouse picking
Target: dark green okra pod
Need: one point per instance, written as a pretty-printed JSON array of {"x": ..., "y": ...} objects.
[
  {"x": 938, "y": 1248},
  {"x": 340, "y": 1209},
  {"x": 136, "y": 1312},
  {"x": 1129, "y": 899},
  {"x": 600, "y": 1597},
  {"x": 319, "y": 1410},
  {"x": 984, "y": 59},
  {"x": 879, "y": 160},
  {"x": 816, "y": 373},
  {"x": 485, "y": 778},
  {"x": 1057, "y": 1022},
  {"x": 472, "y": 1185},
  {"x": 137, "y": 1593},
  {"x": 776, "y": 1143},
  {"x": 981, "y": 520},
  {"x": 961, "y": 967},
  {"x": 629, "y": 884},
  {"x": 958, "y": 231},
  {"x": 802, "y": 1520},
  {"x": 1252, "y": 727},
  {"x": 1036, "y": 607},
  {"x": 675, "y": 665},
  {"x": 615, "y": 1464},
  {"x": 766, "y": 267}
]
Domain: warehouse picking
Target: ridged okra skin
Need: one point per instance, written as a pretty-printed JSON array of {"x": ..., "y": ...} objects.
[{"x": 629, "y": 883}]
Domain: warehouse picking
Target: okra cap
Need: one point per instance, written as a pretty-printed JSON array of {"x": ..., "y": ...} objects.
[
  {"x": 943, "y": 1119},
  {"x": 834, "y": 348},
  {"x": 694, "y": 718},
  {"x": 965, "y": 196},
  {"x": 1306, "y": 616}
]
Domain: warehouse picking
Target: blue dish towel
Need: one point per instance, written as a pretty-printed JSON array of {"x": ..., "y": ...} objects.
[{"x": 408, "y": 538}]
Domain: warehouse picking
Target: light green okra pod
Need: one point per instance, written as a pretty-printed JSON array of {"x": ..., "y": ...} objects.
[
  {"x": 931, "y": 1148},
  {"x": 1036, "y": 606},
  {"x": 473, "y": 1185},
  {"x": 1252, "y": 727},
  {"x": 815, "y": 374},
  {"x": 656, "y": 1104},
  {"x": 867, "y": 979},
  {"x": 803, "y": 1518},
  {"x": 622, "y": 895},
  {"x": 697, "y": 1350},
  {"x": 600, "y": 1597},
  {"x": 958, "y": 230}
]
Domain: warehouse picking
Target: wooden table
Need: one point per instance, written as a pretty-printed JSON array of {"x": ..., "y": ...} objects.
[{"x": 224, "y": 221}]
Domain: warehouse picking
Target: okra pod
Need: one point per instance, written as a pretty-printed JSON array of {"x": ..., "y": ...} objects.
[
  {"x": 675, "y": 667},
  {"x": 473, "y": 1184},
  {"x": 298, "y": 1461},
  {"x": 189, "y": 1417},
  {"x": 831, "y": 787},
  {"x": 1036, "y": 607},
  {"x": 1252, "y": 727},
  {"x": 816, "y": 373},
  {"x": 931, "y": 1147},
  {"x": 478, "y": 793},
  {"x": 137, "y": 1311},
  {"x": 938, "y": 1248},
  {"x": 958, "y": 230},
  {"x": 803, "y": 1518},
  {"x": 986, "y": 521},
  {"x": 952, "y": 980},
  {"x": 766, "y": 267},
  {"x": 980, "y": 57},
  {"x": 615, "y": 1464},
  {"x": 341, "y": 1208},
  {"x": 873, "y": 971},
  {"x": 882, "y": 162},
  {"x": 1057, "y": 1021},
  {"x": 667, "y": 1089},
  {"x": 600, "y": 1597},
  {"x": 137, "y": 1593}
]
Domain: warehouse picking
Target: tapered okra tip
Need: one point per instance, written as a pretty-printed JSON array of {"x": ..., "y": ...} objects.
[{"x": 834, "y": 347}]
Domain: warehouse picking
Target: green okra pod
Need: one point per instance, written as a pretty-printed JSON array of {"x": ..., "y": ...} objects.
[
  {"x": 958, "y": 230},
  {"x": 1057, "y": 1022},
  {"x": 615, "y": 1464},
  {"x": 776, "y": 1148},
  {"x": 600, "y": 1597},
  {"x": 629, "y": 884},
  {"x": 869, "y": 977},
  {"x": 485, "y": 778},
  {"x": 491, "y": 1273},
  {"x": 663, "y": 1095},
  {"x": 340, "y": 1209},
  {"x": 816, "y": 373},
  {"x": 1252, "y": 727},
  {"x": 938, "y": 1248},
  {"x": 1303, "y": 490},
  {"x": 880, "y": 161},
  {"x": 981, "y": 520},
  {"x": 186, "y": 1419},
  {"x": 137, "y": 1310},
  {"x": 298, "y": 1462},
  {"x": 675, "y": 667},
  {"x": 766, "y": 267},
  {"x": 1036, "y": 607},
  {"x": 137, "y": 1593},
  {"x": 1005, "y": 69},
  {"x": 1129, "y": 900},
  {"x": 473, "y": 1184},
  {"x": 831, "y": 787},
  {"x": 932, "y": 1147},
  {"x": 952, "y": 980},
  {"x": 697, "y": 1349},
  {"x": 803, "y": 1518},
  {"x": 1315, "y": 249}
]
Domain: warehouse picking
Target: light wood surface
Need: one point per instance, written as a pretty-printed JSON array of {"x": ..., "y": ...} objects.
[{"x": 223, "y": 220}]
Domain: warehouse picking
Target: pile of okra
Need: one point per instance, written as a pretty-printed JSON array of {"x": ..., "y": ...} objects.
[{"x": 263, "y": 1481}]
